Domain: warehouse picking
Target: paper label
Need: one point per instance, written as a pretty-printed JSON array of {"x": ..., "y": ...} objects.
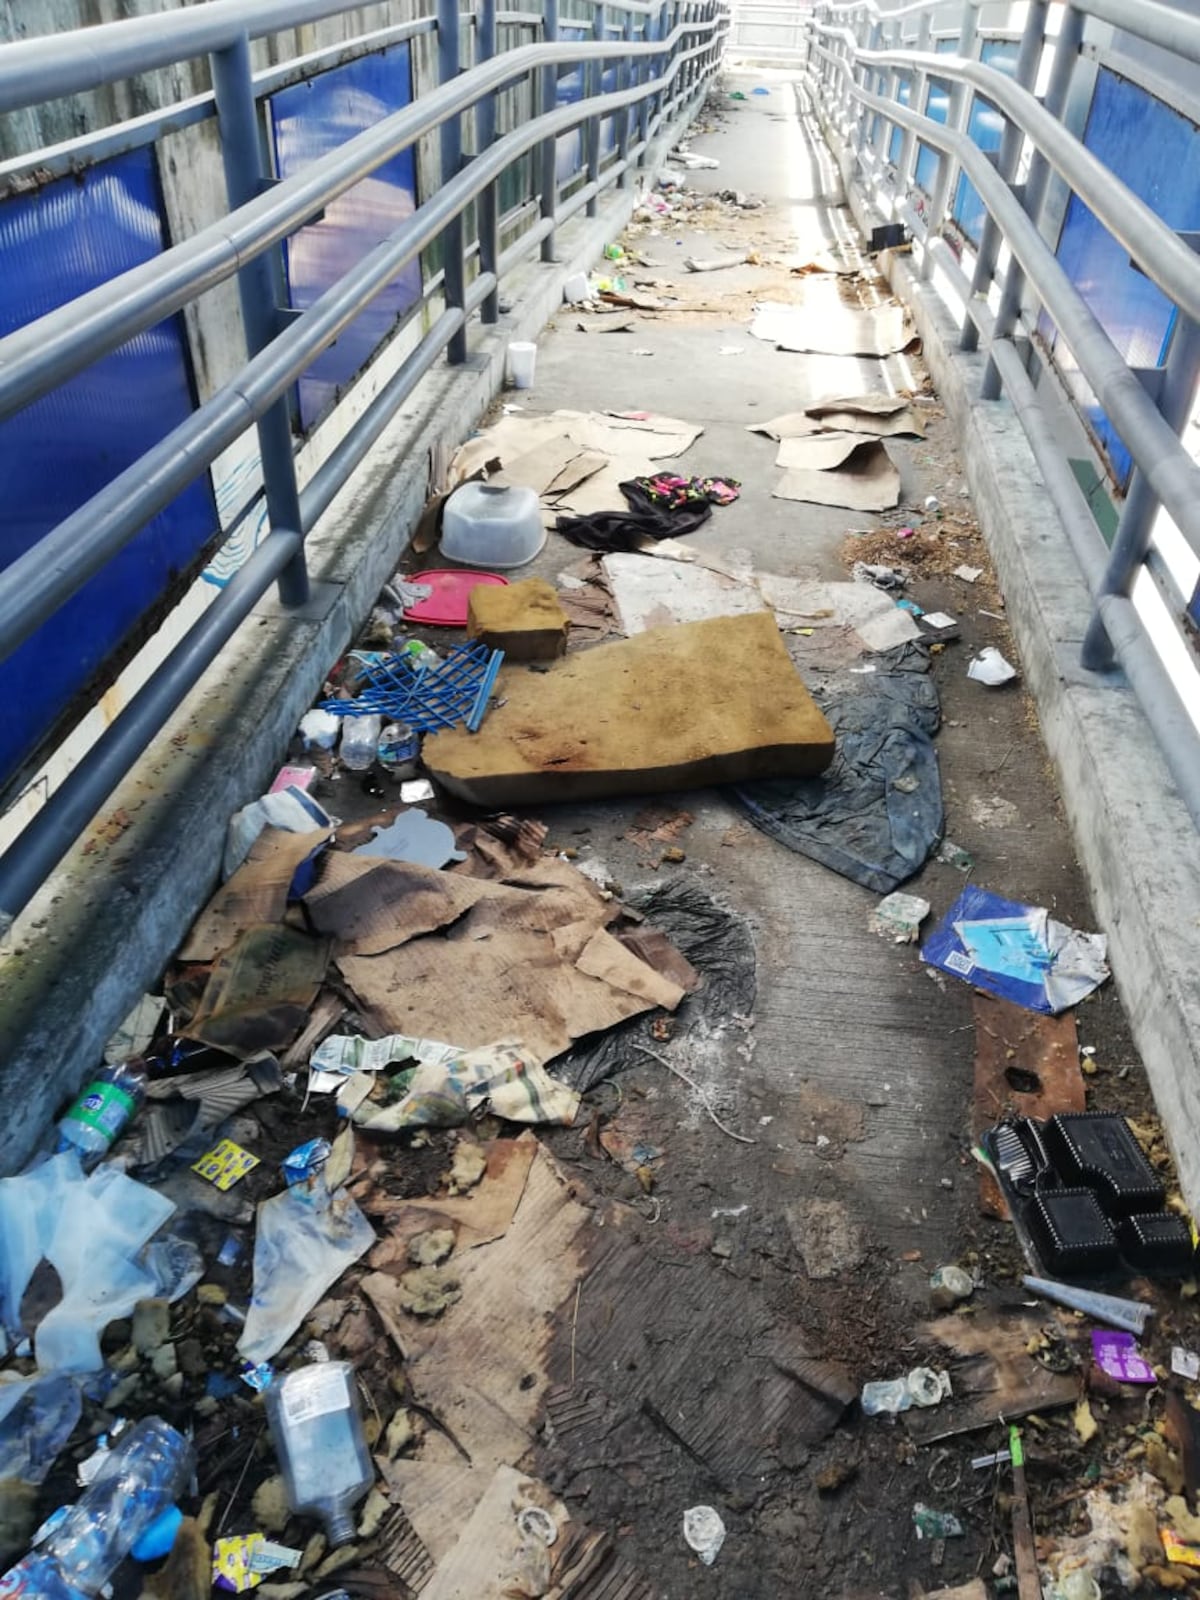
[
  {"x": 104, "y": 1107},
  {"x": 315, "y": 1393},
  {"x": 957, "y": 962},
  {"x": 1185, "y": 1363},
  {"x": 232, "y": 1567},
  {"x": 1117, "y": 1354},
  {"x": 1186, "y": 1555},
  {"x": 225, "y": 1164}
]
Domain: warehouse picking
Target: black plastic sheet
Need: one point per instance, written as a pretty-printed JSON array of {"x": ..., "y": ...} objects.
[{"x": 876, "y": 813}]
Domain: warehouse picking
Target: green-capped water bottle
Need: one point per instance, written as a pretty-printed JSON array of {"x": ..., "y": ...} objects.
[{"x": 108, "y": 1104}]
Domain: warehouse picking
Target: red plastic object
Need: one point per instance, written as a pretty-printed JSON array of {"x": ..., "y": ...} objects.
[{"x": 446, "y": 607}]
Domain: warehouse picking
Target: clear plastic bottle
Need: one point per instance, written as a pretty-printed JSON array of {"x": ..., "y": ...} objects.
[
  {"x": 360, "y": 742},
  {"x": 37, "y": 1577},
  {"x": 318, "y": 1434},
  {"x": 108, "y": 1104},
  {"x": 399, "y": 749},
  {"x": 146, "y": 1472}
]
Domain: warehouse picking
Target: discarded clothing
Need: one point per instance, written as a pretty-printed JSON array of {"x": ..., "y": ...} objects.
[
  {"x": 662, "y": 507},
  {"x": 671, "y": 490},
  {"x": 876, "y": 814},
  {"x": 1017, "y": 952}
]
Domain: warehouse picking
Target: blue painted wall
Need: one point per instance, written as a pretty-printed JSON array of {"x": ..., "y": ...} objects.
[
  {"x": 59, "y": 452},
  {"x": 1154, "y": 150},
  {"x": 307, "y": 121}
]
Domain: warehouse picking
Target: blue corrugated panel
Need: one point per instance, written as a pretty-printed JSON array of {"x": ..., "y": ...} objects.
[
  {"x": 307, "y": 121},
  {"x": 986, "y": 127},
  {"x": 1152, "y": 149},
  {"x": 56, "y": 244}
]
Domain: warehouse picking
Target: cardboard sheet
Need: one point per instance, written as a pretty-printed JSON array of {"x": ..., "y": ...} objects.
[
  {"x": 482, "y": 1214},
  {"x": 856, "y": 473},
  {"x": 824, "y": 325},
  {"x": 260, "y": 992},
  {"x": 575, "y": 459},
  {"x": 884, "y": 416},
  {"x": 510, "y": 983},
  {"x": 256, "y": 893},
  {"x": 481, "y": 1367},
  {"x": 649, "y": 592}
]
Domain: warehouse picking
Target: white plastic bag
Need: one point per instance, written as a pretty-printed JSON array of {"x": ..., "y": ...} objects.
[{"x": 306, "y": 1238}]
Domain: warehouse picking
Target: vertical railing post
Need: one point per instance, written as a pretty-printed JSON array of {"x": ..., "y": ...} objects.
[
  {"x": 643, "y": 109},
  {"x": 1029, "y": 59},
  {"x": 488, "y": 209},
  {"x": 454, "y": 273},
  {"x": 1066, "y": 54},
  {"x": 595, "y": 87},
  {"x": 242, "y": 157},
  {"x": 1133, "y": 537},
  {"x": 548, "y": 151},
  {"x": 624, "y": 80},
  {"x": 862, "y": 76},
  {"x": 918, "y": 100},
  {"x": 957, "y": 116}
]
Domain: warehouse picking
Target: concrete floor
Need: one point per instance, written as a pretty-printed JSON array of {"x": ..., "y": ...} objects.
[
  {"x": 840, "y": 1012},
  {"x": 855, "y": 1076}
]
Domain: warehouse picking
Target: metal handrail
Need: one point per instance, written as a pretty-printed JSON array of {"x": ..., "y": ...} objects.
[
  {"x": 52, "y": 65},
  {"x": 1148, "y": 423},
  {"x": 46, "y": 353},
  {"x": 1153, "y": 244},
  {"x": 1170, "y": 29}
]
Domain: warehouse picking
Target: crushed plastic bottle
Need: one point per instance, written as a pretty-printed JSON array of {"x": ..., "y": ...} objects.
[
  {"x": 145, "y": 1473},
  {"x": 37, "y": 1417},
  {"x": 360, "y": 742},
  {"x": 318, "y": 1433},
  {"x": 108, "y": 1104}
]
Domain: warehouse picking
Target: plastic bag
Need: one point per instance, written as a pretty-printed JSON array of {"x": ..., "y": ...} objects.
[
  {"x": 305, "y": 1240},
  {"x": 29, "y": 1205},
  {"x": 100, "y": 1228},
  {"x": 37, "y": 1417}
]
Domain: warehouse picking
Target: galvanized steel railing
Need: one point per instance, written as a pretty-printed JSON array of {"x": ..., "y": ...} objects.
[
  {"x": 857, "y": 60},
  {"x": 664, "y": 53}
]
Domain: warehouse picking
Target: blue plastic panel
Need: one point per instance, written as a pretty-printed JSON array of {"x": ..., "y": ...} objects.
[
  {"x": 903, "y": 94},
  {"x": 1154, "y": 150},
  {"x": 569, "y": 146},
  {"x": 307, "y": 121},
  {"x": 55, "y": 455},
  {"x": 937, "y": 106},
  {"x": 986, "y": 127}
]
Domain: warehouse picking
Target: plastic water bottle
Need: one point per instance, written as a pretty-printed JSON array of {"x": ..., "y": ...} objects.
[
  {"x": 103, "y": 1111},
  {"x": 360, "y": 741},
  {"x": 146, "y": 1472},
  {"x": 318, "y": 1434}
]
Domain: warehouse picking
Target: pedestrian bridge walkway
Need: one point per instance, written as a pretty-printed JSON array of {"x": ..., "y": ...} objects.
[{"x": 1014, "y": 361}]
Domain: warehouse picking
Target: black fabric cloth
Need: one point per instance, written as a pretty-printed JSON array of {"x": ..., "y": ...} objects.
[
  {"x": 876, "y": 813},
  {"x": 647, "y": 518}
]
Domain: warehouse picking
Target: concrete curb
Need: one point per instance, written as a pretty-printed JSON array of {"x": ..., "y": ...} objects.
[
  {"x": 1134, "y": 835},
  {"x": 97, "y": 936}
]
